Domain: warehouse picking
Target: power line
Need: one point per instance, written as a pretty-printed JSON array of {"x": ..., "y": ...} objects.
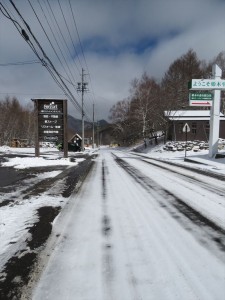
[
  {"x": 20, "y": 63},
  {"x": 65, "y": 43},
  {"x": 81, "y": 47},
  {"x": 40, "y": 53},
  {"x": 78, "y": 34},
  {"x": 54, "y": 36},
  {"x": 52, "y": 70},
  {"x": 50, "y": 40},
  {"x": 19, "y": 28},
  {"x": 69, "y": 33}
]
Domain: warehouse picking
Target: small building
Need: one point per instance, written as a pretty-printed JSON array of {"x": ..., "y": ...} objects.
[
  {"x": 74, "y": 143},
  {"x": 75, "y": 139},
  {"x": 19, "y": 143},
  {"x": 197, "y": 120}
]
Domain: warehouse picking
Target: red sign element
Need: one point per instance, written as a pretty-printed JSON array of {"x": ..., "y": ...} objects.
[{"x": 201, "y": 103}]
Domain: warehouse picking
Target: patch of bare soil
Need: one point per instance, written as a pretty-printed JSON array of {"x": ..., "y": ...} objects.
[{"x": 17, "y": 271}]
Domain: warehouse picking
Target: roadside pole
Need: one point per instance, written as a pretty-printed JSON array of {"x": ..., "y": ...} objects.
[
  {"x": 93, "y": 128},
  {"x": 215, "y": 116},
  {"x": 216, "y": 84},
  {"x": 186, "y": 129},
  {"x": 82, "y": 87},
  {"x": 186, "y": 142}
]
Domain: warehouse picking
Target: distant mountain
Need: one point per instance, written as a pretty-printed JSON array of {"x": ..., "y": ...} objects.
[
  {"x": 76, "y": 124},
  {"x": 103, "y": 123}
]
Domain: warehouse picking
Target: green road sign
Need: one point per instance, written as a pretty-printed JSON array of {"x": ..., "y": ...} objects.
[{"x": 200, "y": 96}]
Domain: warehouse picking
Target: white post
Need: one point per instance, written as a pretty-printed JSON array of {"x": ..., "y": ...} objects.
[{"x": 215, "y": 116}]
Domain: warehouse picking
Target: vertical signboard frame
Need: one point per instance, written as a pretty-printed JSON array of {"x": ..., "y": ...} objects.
[
  {"x": 65, "y": 139},
  {"x": 216, "y": 85},
  {"x": 50, "y": 124},
  {"x": 37, "y": 150}
]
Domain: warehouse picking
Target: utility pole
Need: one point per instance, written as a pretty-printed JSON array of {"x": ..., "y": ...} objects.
[
  {"x": 82, "y": 87},
  {"x": 98, "y": 141},
  {"x": 93, "y": 133}
]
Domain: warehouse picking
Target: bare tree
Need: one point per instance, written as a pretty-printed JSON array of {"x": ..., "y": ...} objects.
[
  {"x": 16, "y": 121},
  {"x": 175, "y": 82},
  {"x": 142, "y": 114},
  {"x": 119, "y": 115},
  {"x": 145, "y": 106}
]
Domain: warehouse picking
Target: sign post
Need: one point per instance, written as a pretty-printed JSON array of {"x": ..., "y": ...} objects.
[
  {"x": 215, "y": 116},
  {"x": 51, "y": 123},
  {"x": 186, "y": 129},
  {"x": 216, "y": 85}
]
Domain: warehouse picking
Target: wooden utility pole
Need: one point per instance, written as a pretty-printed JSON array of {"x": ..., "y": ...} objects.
[
  {"x": 82, "y": 87},
  {"x": 93, "y": 133}
]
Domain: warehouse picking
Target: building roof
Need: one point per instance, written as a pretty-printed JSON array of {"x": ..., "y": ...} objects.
[{"x": 192, "y": 115}]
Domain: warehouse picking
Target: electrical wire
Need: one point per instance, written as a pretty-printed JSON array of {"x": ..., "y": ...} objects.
[
  {"x": 52, "y": 70},
  {"x": 65, "y": 43},
  {"x": 57, "y": 77},
  {"x": 49, "y": 8},
  {"x": 82, "y": 51},
  {"x": 50, "y": 40},
  {"x": 69, "y": 33},
  {"x": 20, "y": 63}
]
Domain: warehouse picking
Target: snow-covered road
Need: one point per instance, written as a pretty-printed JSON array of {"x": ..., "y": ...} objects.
[{"x": 136, "y": 231}]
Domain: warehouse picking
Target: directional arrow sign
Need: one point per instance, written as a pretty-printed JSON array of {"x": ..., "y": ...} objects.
[
  {"x": 200, "y": 103},
  {"x": 186, "y": 128}
]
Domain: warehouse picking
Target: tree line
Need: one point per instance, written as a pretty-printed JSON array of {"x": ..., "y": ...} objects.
[
  {"x": 141, "y": 114},
  {"x": 16, "y": 121}
]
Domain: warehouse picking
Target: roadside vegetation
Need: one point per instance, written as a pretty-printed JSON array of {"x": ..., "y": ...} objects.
[
  {"x": 16, "y": 122},
  {"x": 141, "y": 114}
]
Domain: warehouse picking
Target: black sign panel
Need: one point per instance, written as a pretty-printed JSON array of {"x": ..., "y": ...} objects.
[
  {"x": 50, "y": 107},
  {"x": 50, "y": 120},
  {"x": 51, "y": 123}
]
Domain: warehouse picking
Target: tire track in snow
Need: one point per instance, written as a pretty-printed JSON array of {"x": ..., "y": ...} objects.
[
  {"x": 189, "y": 178},
  {"x": 108, "y": 269},
  {"x": 186, "y": 215}
]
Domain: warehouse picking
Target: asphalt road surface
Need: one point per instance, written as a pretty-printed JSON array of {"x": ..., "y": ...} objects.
[{"x": 137, "y": 230}]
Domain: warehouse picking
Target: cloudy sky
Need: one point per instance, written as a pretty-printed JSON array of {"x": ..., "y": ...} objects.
[{"x": 114, "y": 41}]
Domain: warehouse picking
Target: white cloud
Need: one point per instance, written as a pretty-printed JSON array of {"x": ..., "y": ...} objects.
[{"x": 112, "y": 34}]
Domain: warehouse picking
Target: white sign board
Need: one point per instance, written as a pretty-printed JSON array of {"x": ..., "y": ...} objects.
[{"x": 207, "y": 84}]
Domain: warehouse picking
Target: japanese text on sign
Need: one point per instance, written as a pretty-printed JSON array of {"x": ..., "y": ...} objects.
[
  {"x": 207, "y": 84},
  {"x": 200, "y": 96}
]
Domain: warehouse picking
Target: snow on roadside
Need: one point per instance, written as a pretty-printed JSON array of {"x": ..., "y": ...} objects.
[
  {"x": 29, "y": 162},
  {"x": 199, "y": 160},
  {"x": 17, "y": 217},
  {"x": 15, "y": 221},
  {"x": 48, "y": 157}
]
